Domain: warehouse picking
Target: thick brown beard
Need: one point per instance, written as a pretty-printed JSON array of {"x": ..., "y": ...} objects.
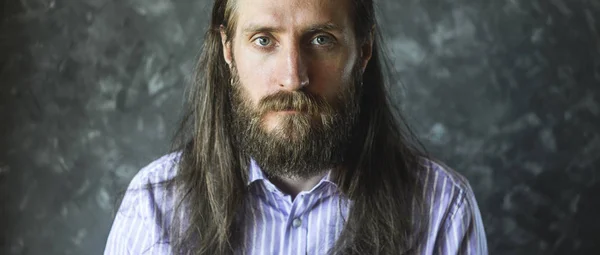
[{"x": 304, "y": 143}]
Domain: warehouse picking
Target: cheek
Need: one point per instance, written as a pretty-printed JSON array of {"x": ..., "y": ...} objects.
[
  {"x": 328, "y": 78},
  {"x": 255, "y": 75},
  {"x": 253, "y": 82}
]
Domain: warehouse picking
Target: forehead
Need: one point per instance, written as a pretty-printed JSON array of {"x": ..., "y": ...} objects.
[{"x": 293, "y": 14}]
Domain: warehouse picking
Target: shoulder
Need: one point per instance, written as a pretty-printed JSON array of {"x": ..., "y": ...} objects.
[
  {"x": 157, "y": 171},
  {"x": 455, "y": 223},
  {"x": 447, "y": 193},
  {"x": 148, "y": 188},
  {"x": 141, "y": 224},
  {"x": 439, "y": 179}
]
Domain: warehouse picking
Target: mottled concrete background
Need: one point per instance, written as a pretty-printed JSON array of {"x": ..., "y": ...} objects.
[{"x": 505, "y": 91}]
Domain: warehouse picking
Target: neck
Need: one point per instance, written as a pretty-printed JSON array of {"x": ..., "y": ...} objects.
[{"x": 295, "y": 185}]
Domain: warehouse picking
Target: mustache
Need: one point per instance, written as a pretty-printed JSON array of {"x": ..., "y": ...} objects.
[{"x": 300, "y": 101}]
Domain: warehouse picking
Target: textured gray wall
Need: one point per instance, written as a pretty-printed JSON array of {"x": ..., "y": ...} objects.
[{"x": 507, "y": 92}]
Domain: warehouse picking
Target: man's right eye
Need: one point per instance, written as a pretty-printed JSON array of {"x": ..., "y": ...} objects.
[{"x": 262, "y": 41}]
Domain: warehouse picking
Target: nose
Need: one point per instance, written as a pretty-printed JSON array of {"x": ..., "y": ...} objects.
[{"x": 293, "y": 70}]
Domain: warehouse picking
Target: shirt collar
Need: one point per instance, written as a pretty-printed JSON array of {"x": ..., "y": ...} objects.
[{"x": 256, "y": 174}]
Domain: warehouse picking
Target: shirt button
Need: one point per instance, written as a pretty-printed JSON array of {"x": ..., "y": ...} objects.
[{"x": 297, "y": 222}]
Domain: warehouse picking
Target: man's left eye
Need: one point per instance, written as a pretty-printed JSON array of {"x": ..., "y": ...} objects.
[{"x": 322, "y": 40}]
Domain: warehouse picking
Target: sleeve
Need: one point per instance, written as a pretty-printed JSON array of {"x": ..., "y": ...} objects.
[
  {"x": 134, "y": 230},
  {"x": 463, "y": 232}
]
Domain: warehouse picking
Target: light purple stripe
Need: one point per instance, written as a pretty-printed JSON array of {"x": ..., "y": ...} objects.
[{"x": 455, "y": 221}]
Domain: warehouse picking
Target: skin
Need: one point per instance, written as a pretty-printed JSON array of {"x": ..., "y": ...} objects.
[{"x": 292, "y": 45}]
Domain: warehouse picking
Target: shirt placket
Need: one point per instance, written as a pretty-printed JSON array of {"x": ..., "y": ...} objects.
[{"x": 296, "y": 227}]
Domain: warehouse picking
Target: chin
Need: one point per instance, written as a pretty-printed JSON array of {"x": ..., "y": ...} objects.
[
  {"x": 272, "y": 123},
  {"x": 288, "y": 128}
]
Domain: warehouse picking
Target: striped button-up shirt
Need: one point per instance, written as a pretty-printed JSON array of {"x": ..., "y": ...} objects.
[{"x": 308, "y": 224}]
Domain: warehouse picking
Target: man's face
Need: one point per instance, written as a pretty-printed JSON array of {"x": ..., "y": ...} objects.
[{"x": 295, "y": 65}]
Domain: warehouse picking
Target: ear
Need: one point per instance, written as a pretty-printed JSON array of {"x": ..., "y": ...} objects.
[
  {"x": 366, "y": 50},
  {"x": 226, "y": 46}
]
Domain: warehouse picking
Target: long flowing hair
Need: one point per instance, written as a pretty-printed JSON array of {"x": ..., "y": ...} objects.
[{"x": 380, "y": 175}]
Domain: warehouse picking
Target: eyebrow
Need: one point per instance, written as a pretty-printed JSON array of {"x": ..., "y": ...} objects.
[
  {"x": 255, "y": 28},
  {"x": 324, "y": 27}
]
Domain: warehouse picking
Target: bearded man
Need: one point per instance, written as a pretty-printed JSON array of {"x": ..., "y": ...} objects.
[{"x": 290, "y": 146}]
